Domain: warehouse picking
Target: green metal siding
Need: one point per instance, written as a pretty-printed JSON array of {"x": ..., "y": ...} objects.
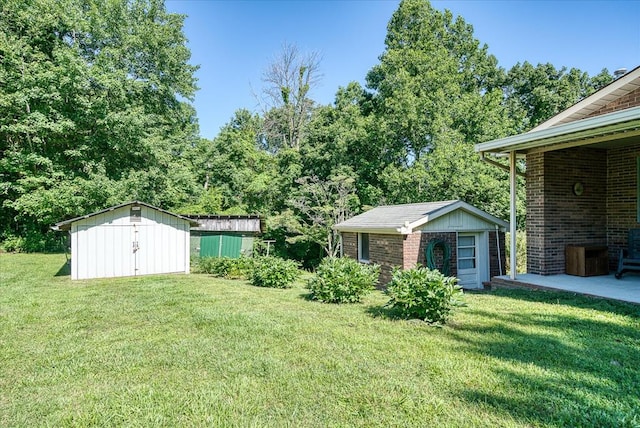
[
  {"x": 231, "y": 245},
  {"x": 220, "y": 246},
  {"x": 247, "y": 246},
  {"x": 195, "y": 245}
]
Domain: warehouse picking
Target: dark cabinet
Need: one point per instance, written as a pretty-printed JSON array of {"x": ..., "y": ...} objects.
[{"x": 586, "y": 260}]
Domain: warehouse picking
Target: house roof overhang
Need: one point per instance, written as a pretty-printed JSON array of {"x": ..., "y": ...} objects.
[{"x": 613, "y": 127}]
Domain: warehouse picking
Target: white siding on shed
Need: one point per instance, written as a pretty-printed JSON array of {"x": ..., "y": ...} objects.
[
  {"x": 103, "y": 245},
  {"x": 458, "y": 220}
]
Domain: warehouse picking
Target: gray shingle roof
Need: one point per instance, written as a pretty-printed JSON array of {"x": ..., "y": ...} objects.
[{"x": 402, "y": 218}]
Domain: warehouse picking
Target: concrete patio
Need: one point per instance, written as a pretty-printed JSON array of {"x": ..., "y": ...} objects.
[{"x": 626, "y": 289}]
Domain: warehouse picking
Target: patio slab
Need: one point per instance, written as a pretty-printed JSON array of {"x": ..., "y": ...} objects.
[{"x": 626, "y": 289}]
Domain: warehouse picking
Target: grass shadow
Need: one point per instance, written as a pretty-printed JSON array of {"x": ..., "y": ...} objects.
[
  {"x": 586, "y": 364},
  {"x": 308, "y": 296},
  {"x": 569, "y": 298},
  {"x": 385, "y": 312},
  {"x": 65, "y": 269}
]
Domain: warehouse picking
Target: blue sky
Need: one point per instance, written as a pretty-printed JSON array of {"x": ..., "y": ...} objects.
[{"x": 234, "y": 41}]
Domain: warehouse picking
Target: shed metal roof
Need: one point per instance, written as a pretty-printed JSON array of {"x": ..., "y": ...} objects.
[
  {"x": 227, "y": 223},
  {"x": 66, "y": 225},
  {"x": 403, "y": 219}
]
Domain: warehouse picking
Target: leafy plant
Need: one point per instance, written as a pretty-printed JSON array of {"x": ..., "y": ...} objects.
[
  {"x": 33, "y": 241},
  {"x": 274, "y": 272},
  {"x": 342, "y": 280},
  {"x": 423, "y": 293},
  {"x": 226, "y": 267}
]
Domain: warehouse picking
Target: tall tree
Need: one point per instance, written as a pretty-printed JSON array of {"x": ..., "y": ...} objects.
[
  {"x": 92, "y": 92},
  {"x": 289, "y": 79},
  {"x": 234, "y": 164},
  {"x": 321, "y": 204},
  {"x": 431, "y": 69},
  {"x": 534, "y": 94}
]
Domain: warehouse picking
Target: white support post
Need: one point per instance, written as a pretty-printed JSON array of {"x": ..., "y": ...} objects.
[{"x": 512, "y": 219}]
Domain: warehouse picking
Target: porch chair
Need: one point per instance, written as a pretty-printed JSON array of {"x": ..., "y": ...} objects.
[{"x": 629, "y": 259}]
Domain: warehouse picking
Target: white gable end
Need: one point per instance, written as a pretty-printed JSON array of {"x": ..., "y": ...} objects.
[{"x": 458, "y": 221}]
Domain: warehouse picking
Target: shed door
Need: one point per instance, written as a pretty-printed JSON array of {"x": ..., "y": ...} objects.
[
  {"x": 103, "y": 251},
  {"x": 210, "y": 246},
  {"x": 231, "y": 245},
  {"x": 468, "y": 260}
]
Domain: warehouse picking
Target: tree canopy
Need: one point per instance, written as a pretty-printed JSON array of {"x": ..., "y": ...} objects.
[{"x": 96, "y": 97}]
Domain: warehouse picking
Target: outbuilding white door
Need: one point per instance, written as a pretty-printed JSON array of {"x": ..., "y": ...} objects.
[{"x": 472, "y": 258}]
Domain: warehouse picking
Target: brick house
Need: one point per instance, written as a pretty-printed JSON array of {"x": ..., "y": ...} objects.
[
  {"x": 460, "y": 238},
  {"x": 582, "y": 173}
]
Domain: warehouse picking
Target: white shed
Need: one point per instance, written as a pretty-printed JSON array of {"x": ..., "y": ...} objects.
[{"x": 130, "y": 239}]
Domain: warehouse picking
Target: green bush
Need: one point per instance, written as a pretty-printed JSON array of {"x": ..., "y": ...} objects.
[
  {"x": 13, "y": 244},
  {"x": 342, "y": 280},
  {"x": 34, "y": 242},
  {"x": 226, "y": 267},
  {"x": 274, "y": 272},
  {"x": 423, "y": 293}
]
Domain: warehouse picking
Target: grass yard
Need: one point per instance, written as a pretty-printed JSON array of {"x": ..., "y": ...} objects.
[{"x": 198, "y": 351}]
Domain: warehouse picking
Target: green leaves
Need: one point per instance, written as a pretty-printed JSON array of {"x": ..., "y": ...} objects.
[
  {"x": 342, "y": 280},
  {"x": 92, "y": 99},
  {"x": 423, "y": 293},
  {"x": 274, "y": 272}
]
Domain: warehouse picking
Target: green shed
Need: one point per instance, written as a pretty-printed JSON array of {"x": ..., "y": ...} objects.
[{"x": 224, "y": 235}]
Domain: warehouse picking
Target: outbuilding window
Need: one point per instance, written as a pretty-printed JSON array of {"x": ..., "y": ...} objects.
[{"x": 363, "y": 247}]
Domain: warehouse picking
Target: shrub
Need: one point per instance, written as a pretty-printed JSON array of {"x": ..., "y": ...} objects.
[
  {"x": 423, "y": 293},
  {"x": 34, "y": 242},
  {"x": 274, "y": 272},
  {"x": 13, "y": 244},
  {"x": 226, "y": 267},
  {"x": 342, "y": 280}
]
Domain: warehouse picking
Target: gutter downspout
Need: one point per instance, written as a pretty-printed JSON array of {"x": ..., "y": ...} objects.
[
  {"x": 512, "y": 218},
  {"x": 499, "y": 254}
]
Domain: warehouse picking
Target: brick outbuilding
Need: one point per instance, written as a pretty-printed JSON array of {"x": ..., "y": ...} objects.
[{"x": 457, "y": 238}]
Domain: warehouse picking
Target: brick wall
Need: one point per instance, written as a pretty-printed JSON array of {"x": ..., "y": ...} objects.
[
  {"x": 407, "y": 251},
  {"x": 386, "y": 251},
  {"x": 451, "y": 239},
  {"x": 621, "y": 198},
  {"x": 494, "y": 266},
  {"x": 555, "y": 216},
  {"x": 632, "y": 99},
  {"x": 413, "y": 247},
  {"x": 350, "y": 244}
]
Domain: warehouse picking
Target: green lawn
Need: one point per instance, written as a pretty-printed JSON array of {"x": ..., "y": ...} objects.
[{"x": 193, "y": 350}]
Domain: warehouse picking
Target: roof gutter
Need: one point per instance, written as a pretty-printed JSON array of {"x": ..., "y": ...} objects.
[{"x": 625, "y": 121}]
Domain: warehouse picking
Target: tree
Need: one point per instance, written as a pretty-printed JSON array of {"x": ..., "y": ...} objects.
[
  {"x": 534, "y": 94},
  {"x": 289, "y": 79},
  {"x": 237, "y": 167},
  {"x": 92, "y": 92},
  {"x": 321, "y": 205},
  {"x": 431, "y": 68}
]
